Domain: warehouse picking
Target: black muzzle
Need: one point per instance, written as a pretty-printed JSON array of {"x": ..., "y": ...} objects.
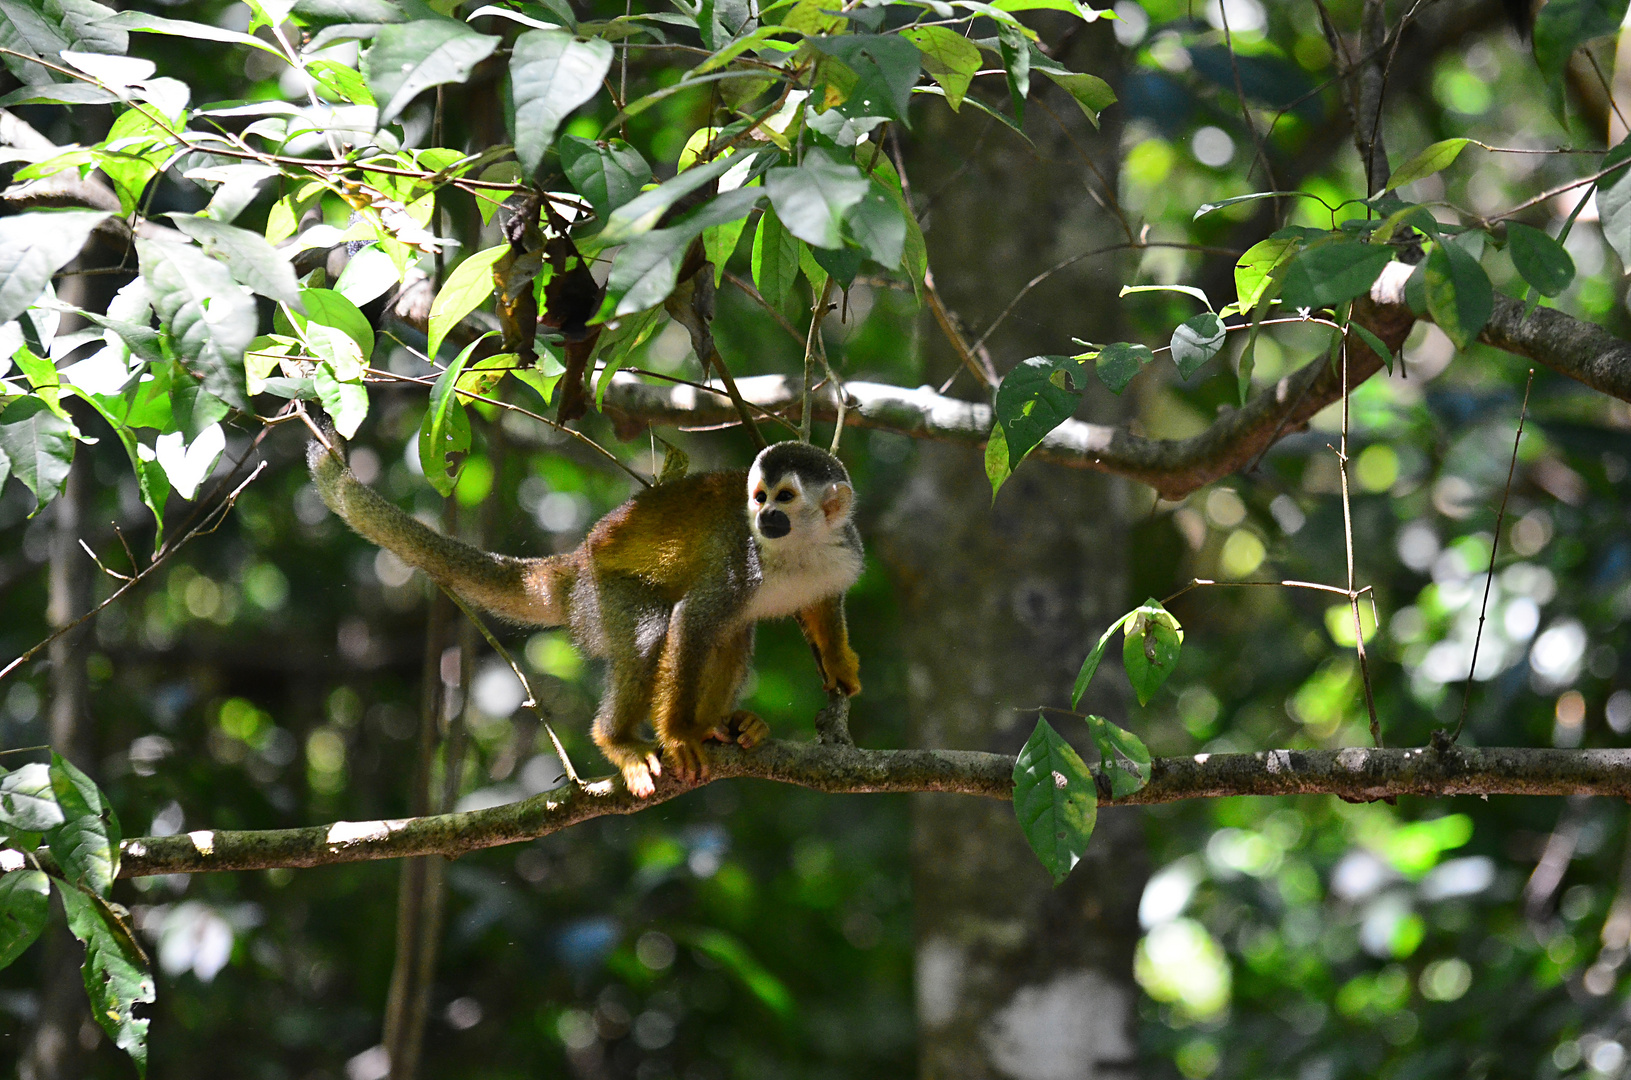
[{"x": 773, "y": 524}]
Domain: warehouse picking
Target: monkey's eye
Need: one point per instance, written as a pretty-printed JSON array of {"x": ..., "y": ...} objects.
[
  {"x": 784, "y": 495},
  {"x": 759, "y": 497}
]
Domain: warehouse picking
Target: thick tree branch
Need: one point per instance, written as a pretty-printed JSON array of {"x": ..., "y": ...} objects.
[{"x": 1354, "y": 773}]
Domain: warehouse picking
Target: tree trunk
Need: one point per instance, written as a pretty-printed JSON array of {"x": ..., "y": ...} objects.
[{"x": 1000, "y": 603}]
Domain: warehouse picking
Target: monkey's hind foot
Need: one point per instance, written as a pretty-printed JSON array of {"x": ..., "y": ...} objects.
[
  {"x": 640, "y": 766},
  {"x": 743, "y": 728},
  {"x": 685, "y": 755}
]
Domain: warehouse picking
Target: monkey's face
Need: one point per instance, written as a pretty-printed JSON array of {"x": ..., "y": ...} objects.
[{"x": 792, "y": 505}]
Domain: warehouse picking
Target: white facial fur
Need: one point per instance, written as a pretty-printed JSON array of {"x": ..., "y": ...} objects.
[{"x": 817, "y": 558}]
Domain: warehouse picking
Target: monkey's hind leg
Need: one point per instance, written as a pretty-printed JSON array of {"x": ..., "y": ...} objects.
[
  {"x": 721, "y": 682},
  {"x": 633, "y": 623}
]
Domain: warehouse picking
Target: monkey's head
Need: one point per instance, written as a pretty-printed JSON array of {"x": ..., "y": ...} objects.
[{"x": 797, "y": 490}]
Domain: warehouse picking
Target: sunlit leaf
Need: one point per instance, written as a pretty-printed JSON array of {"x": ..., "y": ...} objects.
[
  {"x": 1055, "y": 800},
  {"x": 551, "y": 74},
  {"x": 28, "y": 802},
  {"x": 86, "y": 842},
  {"x": 950, "y": 59},
  {"x": 1459, "y": 295},
  {"x": 116, "y": 973},
  {"x": 1151, "y": 649},
  {"x": 209, "y": 319},
  {"x": 408, "y": 58},
  {"x": 811, "y": 198},
  {"x": 251, "y": 259},
  {"x": 25, "y": 898},
  {"x": 1090, "y": 665},
  {"x": 1124, "y": 760},
  {"x": 1117, "y": 364},
  {"x": 775, "y": 259},
  {"x": 466, "y": 288},
  {"x": 445, "y": 429},
  {"x": 35, "y": 246},
  {"x": 38, "y": 445},
  {"x": 1196, "y": 341},
  {"x": 1429, "y": 161}
]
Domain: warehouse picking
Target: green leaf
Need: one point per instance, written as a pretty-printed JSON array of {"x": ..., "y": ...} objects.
[
  {"x": 1016, "y": 63},
  {"x": 1459, "y": 295},
  {"x": 86, "y": 843},
  {"x": 327, "y": 309},
  {"x": 1089, "y": 92},
  {"x": 1329, "y": 274},
  {"x": 252, "y": 261},
  {"x": 879, "y": 226},
  {"x": 1187, "y": 290},
  {"x": 775, "y": 259},
  {"x": 1206, "y": 208},
  {"x": 812, "y": 198},
  {"x": 608, "y": 174},
  {"x": 1055, "y": 800},
  {"x": 141, "y": 22},
  {"x": 115, "y": 970},
  {"x": 42, "y": 31},
  {"x": 345, "y": 400},
  {"x": 885, "y": 66},
  {"x": 641, "y": 214},
  {"x": 551, "y": 74},
  {"x": 1376, "y": 344},
  {"x": 950, "y": 59},
  {"x": 719, "y": 244},
  {"x": 1561, "y": 27},
  {"x": 1614, "y": 201},
  {"x": 35, "y": 246},
  {"x": 1542, "y": 261},
  {"x": 1035, "y": 397},
  {"x": 997, "y": 468},
  {"x": 1425, "y": 164},
  {"x": 28, "y": 803},
  {"x": 445, "y": 429},
  {"x": 25, "y": 898},
  {"x": 409, "y": 58},
  {"x": 1091, "y": 665},
  {"x": 1196, "y": 341},
  {"x": 466, "y": 288},
  {"x": 1117, "y": 364},
  {"x": 208, "y": 318},
  {"x": 644, "y": 272},
  {"x": 1124, "y": 760},
  {"x": 38, "y": 445},
  {"x": 1256, "y": 269},
  {"x": 729, "y": 953},
  {"x": 1150, "y": 652},
  {"x": 841, "y": 264}
]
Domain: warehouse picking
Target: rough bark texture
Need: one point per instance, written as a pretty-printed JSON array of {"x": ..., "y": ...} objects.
[{"x": 1014, "y": 977}]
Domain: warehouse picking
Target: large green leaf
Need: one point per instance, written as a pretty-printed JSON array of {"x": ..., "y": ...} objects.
[
  {"x": 1542, "y": 261},
  {"x": 41, "y": 30},
  {"x": 1429, "y": 161},
  {"x": 142, "y": 22},
  {"x": 608, "y": 174},
  {"x": 35, "y": 246},
  {"x": 551, "y": 73},
  {"x": 879, "y": 226},
  {"x": 248, "y": 256},
  {"x": 775, "y": 259},
  {"x": 466, "y": 288},
  {"x": 1035, "y": 397},
  {"x": 25, "y": 898},
  {"x": 38, "y": 446},
  {"x": 1091, "y": 93},
  {"x": 27, "y": 801},
  {"x": 641, "y": 214},
  {"x": 644, "y": 272},
  {"x": 1016, "y": 63},
  {"x": 1329, "y": 274},
  {"x": 116, "y": 973},
  {"x": 1459, "y": 295},
  {"x": 885, "y": 67},
  {"x": 811, "y": 198},
  {"x": 327, "y": 309},
  {"x": 1150, "y": 652},
  {"x": 950, "y": 59},
  {"x": 208, "y": 317},
  {"x": 409, "y": 58},
  {"x": 1255, "y": 271},
  {"x": 1614, "y": 201},
  {"x": 1055, "y": 800},
  {"x": 1562, "y": 26},
  {"x": 86, "y": 843}
]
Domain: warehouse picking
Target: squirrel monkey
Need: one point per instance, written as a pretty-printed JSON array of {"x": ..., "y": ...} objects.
[{"x": 667, "y": 587}]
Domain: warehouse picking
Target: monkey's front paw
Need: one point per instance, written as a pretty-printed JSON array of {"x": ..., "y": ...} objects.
[
  {"x": 746, "y": 729},
  {"x": 686, "y": 757},
  {"x": 639, "y": 775}
]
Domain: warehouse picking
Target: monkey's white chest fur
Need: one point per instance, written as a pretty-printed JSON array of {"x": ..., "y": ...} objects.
[{"x": 799, "y": 574}]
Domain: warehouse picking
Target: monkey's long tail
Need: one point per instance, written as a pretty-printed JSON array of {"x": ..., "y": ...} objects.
[{"x": 534, "y": 592}]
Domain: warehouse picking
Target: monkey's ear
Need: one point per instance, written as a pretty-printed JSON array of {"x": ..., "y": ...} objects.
[{"x": 837, "y": 502}]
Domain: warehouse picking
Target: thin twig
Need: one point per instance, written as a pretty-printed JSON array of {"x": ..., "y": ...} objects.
[
  {"x": 1283, "y": 583},
  {"x": 1348, "y": 550},
  {"x": 1246, "y": 109},
  {"x": 753, "y": 294},
  {"x": 817, "y": 313},
  {"x": 1495, "y": 546}
]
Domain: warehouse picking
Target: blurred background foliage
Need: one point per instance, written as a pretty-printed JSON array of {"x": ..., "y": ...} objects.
[{"x": 269, "y": 677}]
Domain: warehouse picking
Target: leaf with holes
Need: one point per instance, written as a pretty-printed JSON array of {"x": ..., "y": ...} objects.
[
  {"x": 117, "y": 978},
  {"x": 1117, "y": 364},
  {"x": 408, "y": 58},
  {"x": 1055, "y": 800},
  {"x": 1151, "y": 649},
  {"x": 1124, "y": 760},
  {"x": 1196, "y": 341},
  {"x": 445, "y": 429},
  {"x": 551, "y": 74},
  {"x": 1034, "y": 398}
]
